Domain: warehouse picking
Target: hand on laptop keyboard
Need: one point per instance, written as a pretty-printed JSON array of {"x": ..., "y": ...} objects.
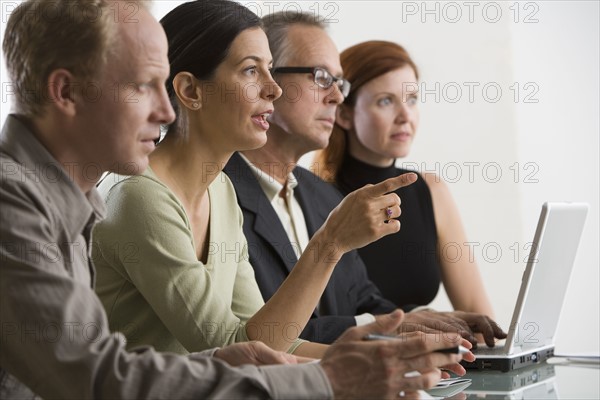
[{"x": 464, "y": 323}]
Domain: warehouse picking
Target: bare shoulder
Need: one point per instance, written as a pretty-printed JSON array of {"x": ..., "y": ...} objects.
[
  {"x": 443, "y": 202},
  {"x": 437, "y": 186}
]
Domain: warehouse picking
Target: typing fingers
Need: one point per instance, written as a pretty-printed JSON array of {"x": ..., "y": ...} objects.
[
  {"x": 490, "y": 331},
  {"x": 483, "y": 324}
]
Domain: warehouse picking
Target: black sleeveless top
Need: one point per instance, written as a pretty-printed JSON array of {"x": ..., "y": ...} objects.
[{"x": 404, "y": 266}]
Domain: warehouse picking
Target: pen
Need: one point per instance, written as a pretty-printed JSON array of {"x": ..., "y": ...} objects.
[{"x": 449, "y": 350}]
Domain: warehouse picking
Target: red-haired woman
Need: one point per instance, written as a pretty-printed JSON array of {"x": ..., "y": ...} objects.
[{"x": 376, "y": 125}]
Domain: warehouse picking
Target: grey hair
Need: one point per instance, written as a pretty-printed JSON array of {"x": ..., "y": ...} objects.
[{"x": 277, "y": 25}]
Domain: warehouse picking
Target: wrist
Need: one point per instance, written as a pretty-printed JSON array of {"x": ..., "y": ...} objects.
[
  {"x": 214, "y": 353},
  {"x": 325, "y": 247},
  {"x": 331, "y": 372}
]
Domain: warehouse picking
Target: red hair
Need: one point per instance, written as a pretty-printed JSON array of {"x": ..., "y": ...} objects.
[{"x": 361, "y": 63}]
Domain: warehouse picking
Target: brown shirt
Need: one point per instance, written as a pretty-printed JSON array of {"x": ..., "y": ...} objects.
[{"x": 54, "y": 337}]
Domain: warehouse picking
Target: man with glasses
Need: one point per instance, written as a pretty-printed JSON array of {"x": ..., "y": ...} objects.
[
  {"x": 322, "y": 77},
  {"x": 284, "y": 205}
]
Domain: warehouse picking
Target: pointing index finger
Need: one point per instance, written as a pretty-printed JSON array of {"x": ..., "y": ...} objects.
[{"x": 391, "y": 184}]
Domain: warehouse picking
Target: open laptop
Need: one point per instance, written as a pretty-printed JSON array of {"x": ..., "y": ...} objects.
[{"x": 544, "y": 284}]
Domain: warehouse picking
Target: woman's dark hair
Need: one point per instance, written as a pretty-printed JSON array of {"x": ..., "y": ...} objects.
[{"x": 200, "y": 34}]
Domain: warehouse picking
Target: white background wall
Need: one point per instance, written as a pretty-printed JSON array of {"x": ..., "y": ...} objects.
[{"x": 504, "y": 152}]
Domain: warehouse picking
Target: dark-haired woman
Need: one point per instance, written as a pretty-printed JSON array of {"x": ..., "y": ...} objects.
[{"x": 172, "y": 259}]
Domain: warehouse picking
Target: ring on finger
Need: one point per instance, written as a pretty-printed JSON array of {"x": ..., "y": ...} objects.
[{"x": 388, "y": 214}]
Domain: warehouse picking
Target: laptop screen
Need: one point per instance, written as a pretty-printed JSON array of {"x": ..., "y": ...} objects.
[{"x": 547, "y": 275}]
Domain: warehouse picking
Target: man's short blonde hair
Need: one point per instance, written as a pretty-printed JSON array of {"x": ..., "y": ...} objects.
[{"x": 44, "y": 35}]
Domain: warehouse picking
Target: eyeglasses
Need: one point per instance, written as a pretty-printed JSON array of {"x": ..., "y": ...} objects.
[{"x": 322, "y": 77}]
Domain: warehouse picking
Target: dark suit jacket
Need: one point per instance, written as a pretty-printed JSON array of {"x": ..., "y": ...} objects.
[{"x": 349, "y": 291}]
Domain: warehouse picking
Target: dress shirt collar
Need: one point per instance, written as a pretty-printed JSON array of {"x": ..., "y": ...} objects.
[
  {"x": 76, "y": 209},
  {"x": 270, "y": 185}
]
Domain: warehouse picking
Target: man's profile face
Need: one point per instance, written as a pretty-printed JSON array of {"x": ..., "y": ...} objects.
[
  {"x": 122, "y": 123},
  {"x": 305, "y": 111}
]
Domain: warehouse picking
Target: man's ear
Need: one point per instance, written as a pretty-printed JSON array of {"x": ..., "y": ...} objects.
[
  {"x": 187, "y": 88},
  {"x": 344, "y": 116},
  {"x": 61, "y": 91}
]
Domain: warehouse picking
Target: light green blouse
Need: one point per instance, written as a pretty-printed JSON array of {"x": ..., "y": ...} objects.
[{"x": 150, "y": 281}]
